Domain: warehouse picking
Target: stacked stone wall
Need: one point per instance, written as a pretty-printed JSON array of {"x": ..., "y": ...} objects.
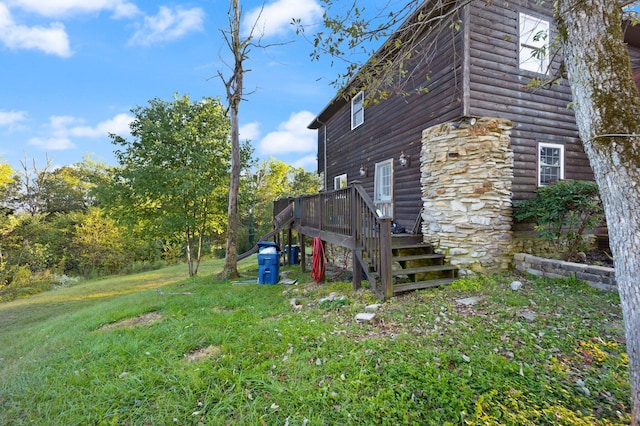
[
  {"x": 599, "y": 277},
  {"x": 466, "y": 178}
]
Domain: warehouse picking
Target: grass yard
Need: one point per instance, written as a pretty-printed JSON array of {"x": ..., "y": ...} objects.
[{"x": 157, "y": 349}]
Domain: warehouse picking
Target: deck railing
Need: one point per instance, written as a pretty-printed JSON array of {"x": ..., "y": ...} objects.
[
  {"x": 348, "y": 217},
  {"x": 328, "y": 211},
  {"x": 372, "y": 234}
]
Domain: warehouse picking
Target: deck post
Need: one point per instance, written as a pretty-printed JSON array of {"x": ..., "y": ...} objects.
[
  {"x": 355, "y": 226},
  {"x": 386, "y": 279},
  {"x": 289, "y": 242},
  {"x": 303, "y": 255},
  {"x": 357, "y": 271}
]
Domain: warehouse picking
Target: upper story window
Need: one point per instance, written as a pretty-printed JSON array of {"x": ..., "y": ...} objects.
[
  {"x": 357, "y": 110},
  {"x": 534, "y": 44},
  {"x": 550, "y": 163},
  {"x": 340, "y": 181}
]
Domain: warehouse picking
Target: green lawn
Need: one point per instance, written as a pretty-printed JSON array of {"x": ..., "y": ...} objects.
[{"x": 202, "y": 351}]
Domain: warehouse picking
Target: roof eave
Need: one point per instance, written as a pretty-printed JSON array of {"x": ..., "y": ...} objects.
[{"x": 339, "y": 99}]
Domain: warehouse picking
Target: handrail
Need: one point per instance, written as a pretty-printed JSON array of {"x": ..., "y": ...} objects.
[
  {"x": 350, "y": 213},
  {"x": 373, "y": 238},
  {"x": 328, "y": 211},
  {"x": 283, "y": 218}
]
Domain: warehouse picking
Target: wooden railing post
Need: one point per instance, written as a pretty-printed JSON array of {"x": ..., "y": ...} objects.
[
  {"x": 303, "y": 254},
  {"x": 386, "y": 279},
  {"x": 355, "y": 230},
  {"x": 348, "y": 218},
  {"x": 357, "y": 270},
  {"x": 322, "y": 212}
]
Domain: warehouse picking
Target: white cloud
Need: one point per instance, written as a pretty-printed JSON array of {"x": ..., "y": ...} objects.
[
  {"x": 168, "y": 24},
  {"x": 291, "y": 136},
  {"x": 62, "y": 8},
  {"x": 52, "y": 144},
  {"x": 118, "y": 125},
  {"x": 52, "y": 40},
  {"x": 275, "y": 18},
  {"x": 308, "y": 162},
  {"x": 12, "y": 118},
  {"x": 250, "y": 131},
  {"x": 64, "y": 127}
]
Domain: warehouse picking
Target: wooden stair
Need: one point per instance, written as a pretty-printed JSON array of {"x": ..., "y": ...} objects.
[{"x": 415, "y": 266}]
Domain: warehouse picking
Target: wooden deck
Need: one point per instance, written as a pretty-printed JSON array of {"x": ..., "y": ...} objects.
[{"x": 391, "y": 263}]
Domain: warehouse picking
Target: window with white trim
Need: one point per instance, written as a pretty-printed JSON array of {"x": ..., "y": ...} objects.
[
  {"x": 383, "y": 188},
  {"x": 534, "y": 44},
  {"x": 550, "y": 163},
  {"x": 357, "y": 110},
  {"x": 340, "y": 181}
]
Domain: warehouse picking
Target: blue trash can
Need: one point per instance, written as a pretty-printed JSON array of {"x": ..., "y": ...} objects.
[
  {"x": 292, "y": 254},
  {"x": 268, "y": 262}
]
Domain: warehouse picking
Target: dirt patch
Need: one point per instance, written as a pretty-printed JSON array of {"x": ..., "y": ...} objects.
[
  {"x": 145, "y": 319},
  {"x": 201, "y": 353},
  {"x": 596, "y": 256}
]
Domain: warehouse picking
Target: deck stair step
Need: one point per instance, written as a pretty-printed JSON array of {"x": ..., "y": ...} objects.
[
  {"x": 423, "y": 269},
  {"x": 416, "y": 266},
  {"x": 401, "y": 288},
  {"x": 409, "y": 245},
  {"x": 405, "y": 239},
  {"x": 417, "y": 257}
]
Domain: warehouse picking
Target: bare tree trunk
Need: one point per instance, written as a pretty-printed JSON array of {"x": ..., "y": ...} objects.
[
  {"x": 234, "y": 86},
  {"x": 33, "y": 185},
  {"x": 201, "y": 230},
  {"x": 607, "y": 111},
  {"x": 231, "y": 255}
]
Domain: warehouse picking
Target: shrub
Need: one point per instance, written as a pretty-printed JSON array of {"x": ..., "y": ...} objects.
[
  {"x": 24, "y": 283},
  {"x": 61, "y": 281},
  {"x": 562, "y": 213}
]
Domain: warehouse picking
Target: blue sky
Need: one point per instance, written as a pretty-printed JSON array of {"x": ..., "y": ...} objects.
[{"x": 71, "y": 70}]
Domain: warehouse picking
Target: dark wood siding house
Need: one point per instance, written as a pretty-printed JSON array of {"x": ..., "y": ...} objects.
[{"x": 478, "y": 79}]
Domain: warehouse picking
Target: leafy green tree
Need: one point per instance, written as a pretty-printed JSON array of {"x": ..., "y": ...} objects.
[
  {"x": 6, "y": 178},
  {"x": 71, "y": 188},
  {"x": 25, "y": 251},
  {"x": 6, "y": 175},
  {"x": 173, "y": 175},
  {"x": 26, "y": 191},
  {"x": 97, "y": 244},
  {"x": 271, "y": 180},
  {"x": 25, "y": 241},
  {"x": 303, "y": 182}
]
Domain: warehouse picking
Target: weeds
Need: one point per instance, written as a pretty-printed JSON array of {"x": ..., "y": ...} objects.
[{"x": 219, "y": 353}]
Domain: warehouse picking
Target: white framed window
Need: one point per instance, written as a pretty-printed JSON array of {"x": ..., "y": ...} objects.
[
  {"x": 340, "y": 181},
  {"x": 533, "y": 46},
  {"x": 383, "y": 187},
  {"x": 550, "y": 163},
  {"x": 357, "y": 110}
]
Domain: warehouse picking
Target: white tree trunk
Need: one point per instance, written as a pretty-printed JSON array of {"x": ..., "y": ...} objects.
[
  {"x": 606, "y": 104},
  {"x": 234, "y": 87},
  {"x": 231, "y": 254}
]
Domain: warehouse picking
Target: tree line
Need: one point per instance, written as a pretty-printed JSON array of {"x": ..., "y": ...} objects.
[{"x": 165, "y": 201}]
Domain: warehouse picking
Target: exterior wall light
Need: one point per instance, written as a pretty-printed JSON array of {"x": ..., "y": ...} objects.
[
  {"x": 405, "y": 160},
  {"x": 363, "y": 170},
  {"x": 468, "y": 120}
]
